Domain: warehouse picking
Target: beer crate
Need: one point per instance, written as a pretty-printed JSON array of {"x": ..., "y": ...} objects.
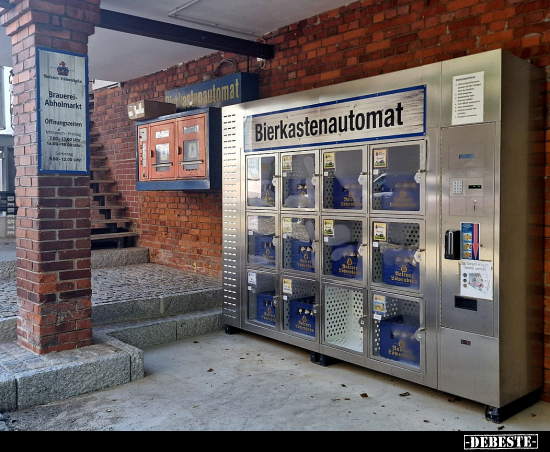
[
  {"x": 399, "y": 268},
  {"x": 265, "y": 309},
  {"x": 301, "y": 317},
  {"x": 303, "y": 256},
  {"x": 397, "y": 341},
  {"x": 347, "y": 193},
  {"x": 350, "y": 264},
  {"x": 264, "y": 249}
]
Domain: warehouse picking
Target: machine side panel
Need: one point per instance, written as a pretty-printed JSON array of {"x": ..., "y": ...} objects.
[
  {"x": 521, "y": 229},
  {"x": 231, "y": 228}
]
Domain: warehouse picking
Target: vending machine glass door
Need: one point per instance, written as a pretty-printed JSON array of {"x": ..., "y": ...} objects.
[
  {"x": 300, "y": 307},
  {"x": 343, "y": 178},
  {"x": 300, "y": 244},
  {"x": 343, "y": 250},
  {"x": 398, "y": 331},
  {"x": 262, "y": 240},
  {"x": 260, "y": 181},
  {"x": 299, "y": 180},
  {"x": 262, "y": 299},
  {"x": 398, "y": 257},
  {"x": 398, "y": 177}
]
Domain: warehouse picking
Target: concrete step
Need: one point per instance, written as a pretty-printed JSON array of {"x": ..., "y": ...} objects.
[
  {"x": 157, "y": 308},
  {"x": 147, "y": 317},
  {"x": 144, "y": 334},
  {"x": 115, "y": 358},
  {"x": 114, "y": 257},
  {"x": 105, "y": 258},
  {"x": 102, "y": 258}
]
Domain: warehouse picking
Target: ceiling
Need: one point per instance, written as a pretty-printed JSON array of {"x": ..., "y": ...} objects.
[{"x": 118, "y": 57}]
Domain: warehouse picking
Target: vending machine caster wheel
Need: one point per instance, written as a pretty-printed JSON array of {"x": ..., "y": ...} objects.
[{"x": 314, "y": 357}]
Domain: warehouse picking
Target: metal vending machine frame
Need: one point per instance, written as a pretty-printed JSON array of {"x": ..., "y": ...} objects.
[{"x": 394, "y": 222}]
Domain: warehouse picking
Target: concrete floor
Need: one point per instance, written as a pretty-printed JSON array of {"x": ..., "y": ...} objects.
[{"x": 245, "y": 382}]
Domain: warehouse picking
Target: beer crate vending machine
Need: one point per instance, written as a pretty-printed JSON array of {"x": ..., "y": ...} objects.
[{"x": 396, "y": 222}]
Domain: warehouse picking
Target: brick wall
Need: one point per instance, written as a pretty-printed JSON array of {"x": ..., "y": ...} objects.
[
  {"x": 362, "y": 39},
  {"x": 181, "y": 229}
]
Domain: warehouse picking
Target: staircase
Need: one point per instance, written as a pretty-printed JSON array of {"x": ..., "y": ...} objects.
[{"x": 109, "y": 226}]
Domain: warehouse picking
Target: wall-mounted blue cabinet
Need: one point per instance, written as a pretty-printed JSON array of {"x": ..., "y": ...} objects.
[{"x": 180, "y": 151}]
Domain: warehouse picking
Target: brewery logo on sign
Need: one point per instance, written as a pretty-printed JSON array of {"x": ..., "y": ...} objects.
[
  {"x": 62, "y": 69},
  {"x": 494, "y": 442}
]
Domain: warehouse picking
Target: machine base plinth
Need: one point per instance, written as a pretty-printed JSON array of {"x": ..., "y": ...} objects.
[
  {"x": 498, "y": 415},
  {"x": 324, "y": 360},
  {"x": 231, "y": 329}
]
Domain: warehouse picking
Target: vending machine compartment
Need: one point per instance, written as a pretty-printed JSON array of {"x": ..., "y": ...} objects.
[
  {"x": 302, "y": 316},
  {"x": 180, "y": 151},
  {"x": 397, "y": 339}
]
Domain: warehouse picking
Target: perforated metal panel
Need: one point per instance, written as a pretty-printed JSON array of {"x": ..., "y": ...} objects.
[
  {"x": 231, "y": 226},
  {"x": 328, "y": 191},
  {"x": 343, "y": 309}
]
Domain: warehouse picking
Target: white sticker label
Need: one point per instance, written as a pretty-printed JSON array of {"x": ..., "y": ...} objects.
[
  {"x": 468, "y": 90},
  {"x": 252, "y": 278}
]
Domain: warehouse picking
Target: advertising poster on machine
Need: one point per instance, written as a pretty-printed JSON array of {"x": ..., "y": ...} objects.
[{"x": 62, "y": 112}]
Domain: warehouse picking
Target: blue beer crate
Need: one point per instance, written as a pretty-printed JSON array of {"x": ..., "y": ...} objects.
[
  {"x": 350, "y": 264},
  {"x": 264, "y": 250},
  {"x": 265, "y": 310},
  {"x": 303, "y": 256},
  {"x": 301, "y": 317},
  {"x": 301, "y": 193},
  {"x": 398, "y": 269},
  {"x": 397, "y": 341},
  {"x": 347, "y": 193},
  {"x": 268, "y": 194},
  {"x": 298, "y": 187},
  {"x": 403, "y": 193}
]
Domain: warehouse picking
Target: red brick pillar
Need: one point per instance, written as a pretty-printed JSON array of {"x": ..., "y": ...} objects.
[{"x": 53, "y": 223}]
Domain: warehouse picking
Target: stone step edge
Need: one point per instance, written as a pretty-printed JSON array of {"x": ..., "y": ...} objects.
[
  {"x": 145, "y": 334},
  {"x": 116, "y": 358},
  {"x": 117, "y": 313},
  {"x": 104, "y": 258}
]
